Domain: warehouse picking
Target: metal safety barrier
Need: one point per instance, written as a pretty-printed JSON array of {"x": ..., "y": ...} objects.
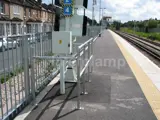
[
  {"x": 82, "y": 64},
  {"x": 23, "y": 76},
  {"x": 16, "y": 53}
]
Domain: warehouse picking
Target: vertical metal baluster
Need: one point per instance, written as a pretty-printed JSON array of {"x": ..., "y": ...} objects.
[
  {"x": 36, "y": 53},
  {"x": 39, "y": 54},
  {"x": 89, "y": 63},
  {"x": 43, "y": 50},
  {"x": 22, "y": 68},
  {"x": 49, "y": 41},
  {"x": 46, "y": 50},
  {"x": 13, "y": 67},
  {"x": 41, "y": 67},
  {"x": 32, "y": 74},
  {"x": 78, "y": 80},
  {"x": 45, "y": 62},
  {"x": 62, "y": 82},
  {"x": 84, "y": 78},
  {"x": 31, "y": 52},
  {"x": 49, "y": 49},
  {"x": 10, "y": 86},
  {"x": 92, "y": 42},
  {"x": 5, "y": 80},
  {"x": 44, "y": 42},
  {"x": 1, "y": 104},
  {"x": 17, "y": 72},
  {"x": 26, "y": 69}
]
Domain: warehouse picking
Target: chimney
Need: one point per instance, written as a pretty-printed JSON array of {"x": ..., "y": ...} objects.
[{"x": 39, "y": 2}]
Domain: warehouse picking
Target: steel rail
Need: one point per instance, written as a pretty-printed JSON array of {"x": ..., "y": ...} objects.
[{"x": 148, "y": 47}]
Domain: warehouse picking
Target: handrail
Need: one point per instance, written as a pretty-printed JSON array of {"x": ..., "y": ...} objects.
[
  {"x": 81, "y": 46},
  {"x": 86, "y": 65},
  {"x": 55, "y": 57}
]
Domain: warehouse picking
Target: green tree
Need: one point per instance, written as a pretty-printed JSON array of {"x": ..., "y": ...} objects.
[{"x": 152, "y": 23}]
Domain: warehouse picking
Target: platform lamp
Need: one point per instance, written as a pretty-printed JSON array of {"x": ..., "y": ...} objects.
[
  {"x": 100, "y": 2},
  {"x": 102, "y": 18}
]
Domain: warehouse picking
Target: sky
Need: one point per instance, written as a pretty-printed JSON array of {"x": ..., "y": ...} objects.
[{"x": 125, "y": 10}]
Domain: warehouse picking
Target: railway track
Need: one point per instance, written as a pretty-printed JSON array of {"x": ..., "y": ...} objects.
[{"x": 150, "y": 48}]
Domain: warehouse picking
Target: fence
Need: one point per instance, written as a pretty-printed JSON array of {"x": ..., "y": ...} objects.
[
  {"x": 17, "y": 80},
  {"x": 93, "y": 30},
  {"x": 154, "y": 30},
  {"x": 15, "y": 69}
]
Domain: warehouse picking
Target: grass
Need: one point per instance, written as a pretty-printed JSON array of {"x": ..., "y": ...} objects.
[
  {"x": 152, "y": 36},
  {"x": 6, "y": 77}
]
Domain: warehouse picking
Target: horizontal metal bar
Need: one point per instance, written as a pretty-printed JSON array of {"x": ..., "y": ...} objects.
[
  {"x": 95, "y": 38},
  {"x": 81, "y": 46},
  {"x": 54, "y": 58},
  {"x": 86, "y": 65}
]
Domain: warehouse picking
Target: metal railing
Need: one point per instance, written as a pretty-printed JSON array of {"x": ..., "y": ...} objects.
[
  {"x": 23, "y": 76},
  {"x": 82, "y": 64},
  {"x": 15, "y": 70},
  {"x": 93, "y": 30}
]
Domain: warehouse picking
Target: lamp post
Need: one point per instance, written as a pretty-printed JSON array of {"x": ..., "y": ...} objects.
[
  {"x": 102, "y": 18},
  {"x": 100, "y": 1},
  {"x": 100, "y": 11},
  {"x": 94, "y": 3},
  {"x": 134, "y": 26},
  {"x": 93, "y": 13}
]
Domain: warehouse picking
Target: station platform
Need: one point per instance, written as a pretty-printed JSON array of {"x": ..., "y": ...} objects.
[{"x": 120, "y": 89}]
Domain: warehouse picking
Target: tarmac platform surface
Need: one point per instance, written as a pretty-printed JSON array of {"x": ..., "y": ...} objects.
[{"x": 114, "y": 93}]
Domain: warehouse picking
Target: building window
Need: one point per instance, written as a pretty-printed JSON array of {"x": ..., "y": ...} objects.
[
  {"x": 50, "y": 27},
  {"x": 16, "y": 9},
  {"x": 28, "y": 28},
  {"x": 44, "y": 28},
  {"x": 19, "y": 28},
  {"x": 29, "y": 13},
  {"x": 1, "y": 7},
  {"x": 41, "y": 14},
  {"x": 1, "y": 29},
  {"x": 36, "y": 28},
  {"x": 24, "y": 11},
  {"x": 39, "y": 27},
  {"x": 37, "y": 13},
  {"x": 8, "y": 29},
  {"x": 14, "y": 29}
]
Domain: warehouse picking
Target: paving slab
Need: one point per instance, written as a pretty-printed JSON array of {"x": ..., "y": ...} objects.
[{"x": 114, "y": 93}]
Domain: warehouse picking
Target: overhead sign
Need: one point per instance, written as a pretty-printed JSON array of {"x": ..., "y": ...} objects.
[
  {"x": 67, "y": 11},
  {"x": 68, "y": 6},
  {"x": 69, "y": 2}
]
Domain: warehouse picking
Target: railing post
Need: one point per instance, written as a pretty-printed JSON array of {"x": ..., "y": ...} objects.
[
  {"x": 92, "y": 42},
  {"x": 89, "y": 63},
  {"x": 84, "y": 75},
  {"x": 26, "y": 67},
  {"x": 41, "y": 43},
  {"x": 78, "y": 80},
  {"x": 32, "y": 74},
  {"x": 62, "y": 77}
]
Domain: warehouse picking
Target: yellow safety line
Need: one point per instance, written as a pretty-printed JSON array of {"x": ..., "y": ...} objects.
[{"x": 150, "y": 91}]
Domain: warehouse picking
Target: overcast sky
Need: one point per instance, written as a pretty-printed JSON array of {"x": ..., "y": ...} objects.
[{"x": 126, "y": 10}]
